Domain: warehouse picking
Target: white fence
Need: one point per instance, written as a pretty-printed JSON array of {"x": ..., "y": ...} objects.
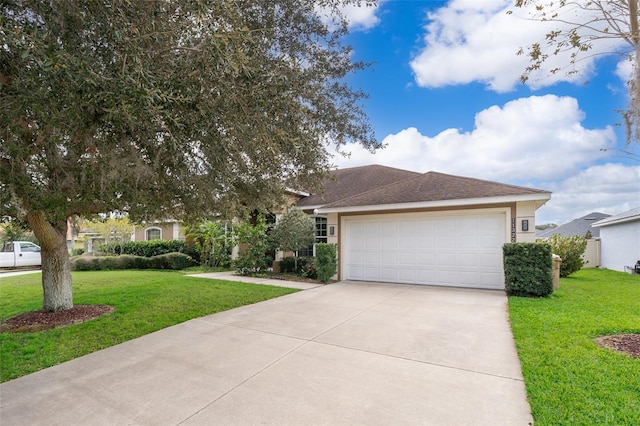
[{"x": 591, "y": 255}]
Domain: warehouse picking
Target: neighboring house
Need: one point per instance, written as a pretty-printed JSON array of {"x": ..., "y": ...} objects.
[
  {"x": 620, "y": 239},
  {"x": 577, "y": 227},
  {"x": 398, "y": 226},
  {"x": 581, "y": 227},
  {"x": 159, "y": 230}
]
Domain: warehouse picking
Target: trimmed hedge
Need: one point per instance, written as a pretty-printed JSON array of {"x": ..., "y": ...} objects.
[
  {"x": 528, "y": 269},
  {"x": 175, "y": 261},
  {"x": 326, "y": 261},
  {"x": 145, "y": 248}
]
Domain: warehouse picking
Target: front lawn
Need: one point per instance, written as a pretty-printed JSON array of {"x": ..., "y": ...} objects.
[
  {"x": 569, "y": 379},
  {"x": 144, "y": 301}
]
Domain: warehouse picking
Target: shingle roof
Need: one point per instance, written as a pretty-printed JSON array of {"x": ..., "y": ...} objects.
[
  {"x": 577, "y": 227},
  {"x": 346, "y": 183},
  {"x": 633, "y": 214},
  {"x": 416, "y": 188}
]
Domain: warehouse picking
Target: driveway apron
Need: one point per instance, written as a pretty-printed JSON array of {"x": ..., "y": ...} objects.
[{"x": 341, "y": 354}]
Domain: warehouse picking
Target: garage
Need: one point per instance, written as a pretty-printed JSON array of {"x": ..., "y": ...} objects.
[
  {"x": 398, "y": 226},
  {"x": 458, "y": 249}
]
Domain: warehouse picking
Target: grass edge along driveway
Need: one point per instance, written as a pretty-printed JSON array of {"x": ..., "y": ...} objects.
[
  {"x": 569, "y": 379},
  {"x": 144, "y": 302}
]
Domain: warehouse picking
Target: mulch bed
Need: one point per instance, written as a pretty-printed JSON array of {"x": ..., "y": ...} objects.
[
  {"x": 44, "y": 320},
  {"x": 625, "y": 343}
]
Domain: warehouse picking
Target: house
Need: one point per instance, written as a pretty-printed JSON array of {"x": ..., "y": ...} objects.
[
  {"x": 398, "y": 226},
  {"x": 577, "y": 227},
  {"x": 159, "y": 230},
  {"x": 620, "y": 239},
  {"x": 581, "y": 227}
]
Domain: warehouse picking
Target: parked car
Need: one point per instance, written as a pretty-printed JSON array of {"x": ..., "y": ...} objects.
[{"x": 20, "y": 253}]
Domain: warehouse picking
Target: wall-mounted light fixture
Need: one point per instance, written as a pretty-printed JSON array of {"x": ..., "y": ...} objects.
[
  {"x": 332, "y": 230},
  {"x": 525, "y": 225}
]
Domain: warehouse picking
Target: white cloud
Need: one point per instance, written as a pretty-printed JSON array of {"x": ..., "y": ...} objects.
[
  {"x": 360, "y": 17},
  {"x": 624, "y": 69},
  {"x": 610, "y": 188},
  {"x": 470, "y": 40},
  {"x": 537, "y": 142},
  {"x": 539, "y": 138}
]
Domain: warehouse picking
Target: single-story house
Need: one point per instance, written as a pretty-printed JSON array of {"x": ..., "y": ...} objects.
[
  {"x": 581, "y": 227},
  {"x": 399, "y": 226},
  {"x": 577, "y": 227},
  {"x": 620, "y": 240}
]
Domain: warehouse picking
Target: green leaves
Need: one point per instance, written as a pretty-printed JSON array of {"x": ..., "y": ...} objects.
[
  {"x": 527, "y": 269},
  {"x": 570, "y": 250},
  {"x": 294, "y": 231},
  {"x": 117, "y": 94}
]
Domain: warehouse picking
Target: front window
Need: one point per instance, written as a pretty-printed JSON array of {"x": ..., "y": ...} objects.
[
  {"x": 321, "y": 237},
  {"x": 153, "y": 234}
]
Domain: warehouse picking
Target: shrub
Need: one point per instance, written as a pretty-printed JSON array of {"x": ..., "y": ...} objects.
[
  {"x": 77, "y": 252},
  {"x": 145, "y": 248},
  {"x": 175, "y": 261},
  {"x": 528, "y": 269},
  {"x": 211, "y": 242},
  {"x": 288, "y": 264},
  {"x": 306, "y": 266},
  {"x": 254, "y": 245},
  {"x": 570, "y": 249},
  {"x": 326, "y": 261},
  {"x": 85, "y": 263}
]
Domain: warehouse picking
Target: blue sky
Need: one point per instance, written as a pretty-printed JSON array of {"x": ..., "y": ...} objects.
[{"x": 445, "y": 96}]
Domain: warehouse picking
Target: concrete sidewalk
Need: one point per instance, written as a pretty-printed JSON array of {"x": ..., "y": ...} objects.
[{"x": 341, "y": 354}]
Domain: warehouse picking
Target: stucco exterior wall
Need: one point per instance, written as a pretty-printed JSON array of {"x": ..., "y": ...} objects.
[
  {"x": 620, "y": 245},
  {"x": 169, "y": 231},
  {"x": 526, "y": 217}
]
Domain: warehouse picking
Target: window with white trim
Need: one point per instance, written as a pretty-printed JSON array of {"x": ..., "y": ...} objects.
[
  {"x": 153, "y": 234},
  {"x": 321, "y": 237}
]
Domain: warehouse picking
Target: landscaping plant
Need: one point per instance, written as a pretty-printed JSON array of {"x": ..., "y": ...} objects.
[
  {"x": 146, "y": 248},
  {"x": 571, "y": 250},
  {"x": 213, "y": 241},
  {"x": 254, "y": 246},
  {"x": 295, "y": 230},
  {"x": 528, "y": 269},
  {"x": 326, "y": 261}
]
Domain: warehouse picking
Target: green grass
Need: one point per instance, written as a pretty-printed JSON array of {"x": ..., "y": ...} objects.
[
  {"x": 569, "y": 379},
  {"x": 144, "y": 301}
]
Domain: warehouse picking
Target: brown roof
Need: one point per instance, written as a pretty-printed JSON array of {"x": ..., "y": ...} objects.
[
  {"x": 346, "y": 183},
  {"x": 432, "y": 186}
]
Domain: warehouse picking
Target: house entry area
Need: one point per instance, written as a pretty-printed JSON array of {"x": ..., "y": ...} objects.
[{"x": 455, "y": 249}]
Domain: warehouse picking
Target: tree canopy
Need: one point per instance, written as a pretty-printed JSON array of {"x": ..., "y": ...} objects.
[
  {"x": 582, "y": 24},
  {"x": 294, "y": 230},
  {"x": 167, "y": 109}
]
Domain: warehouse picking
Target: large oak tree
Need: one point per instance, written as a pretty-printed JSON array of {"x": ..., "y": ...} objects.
[{"x": 165, "y": 108}]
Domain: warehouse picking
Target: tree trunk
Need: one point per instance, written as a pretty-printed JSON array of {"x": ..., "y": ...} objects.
[{"x": 56, "y": 270}]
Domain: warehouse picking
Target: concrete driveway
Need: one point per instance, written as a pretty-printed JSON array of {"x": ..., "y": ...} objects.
[{"x": 346, "y": 353}]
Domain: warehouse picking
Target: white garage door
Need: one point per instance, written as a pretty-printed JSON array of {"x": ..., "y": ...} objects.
[{"x": 459, "y": 250}]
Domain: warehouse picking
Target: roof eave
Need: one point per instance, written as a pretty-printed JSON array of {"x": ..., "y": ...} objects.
[
  {"x": 541, "y": 198},
  {"x": 606, "y": 222}
]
